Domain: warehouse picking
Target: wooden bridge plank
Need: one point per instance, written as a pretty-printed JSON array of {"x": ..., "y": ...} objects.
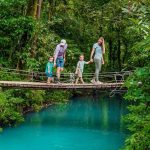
[{"x": 38, "y": 85}]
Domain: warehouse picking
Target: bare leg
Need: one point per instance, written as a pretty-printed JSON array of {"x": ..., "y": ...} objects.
[
  {"x": 51, "y": 80},
  {"x": 77, "y": 80},
  {"x": 58, "y": 73},
  {"x": 48, "y": 80},
  {"x": 59, "y": 70},
  {"x": 81, "y": 79}
]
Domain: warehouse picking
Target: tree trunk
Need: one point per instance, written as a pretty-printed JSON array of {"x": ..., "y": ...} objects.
[
  {"x": 32, "y": 8},
  {"x": 125, "y": 54},
  {"x": 101, "y": 23},
  {"x": 38, "y": 14},
  {"x": 119, "y": 51},
  {"x": 49, "y": 11},
  {"x": 114, "y": 56},
  {"x": 52, "y": 5},
  {"x": 110, "y": 53}
]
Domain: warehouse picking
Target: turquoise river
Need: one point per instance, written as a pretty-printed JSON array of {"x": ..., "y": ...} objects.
[{"x": 85, "y": 123}]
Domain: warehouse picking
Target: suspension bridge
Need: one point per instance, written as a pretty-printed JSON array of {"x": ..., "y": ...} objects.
[{"x": 13, "y": 78}]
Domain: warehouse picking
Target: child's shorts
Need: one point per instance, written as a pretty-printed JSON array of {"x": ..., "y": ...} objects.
[
  {"x": 49, "y": 75},
  {"x": 79, "y": 74},
  {"x": 60, "y": 62}
]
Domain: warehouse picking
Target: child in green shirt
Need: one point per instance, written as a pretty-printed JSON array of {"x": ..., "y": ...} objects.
[{"x": 49, "y": 69}]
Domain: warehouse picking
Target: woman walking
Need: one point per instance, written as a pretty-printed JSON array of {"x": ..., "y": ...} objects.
[{"x": 98, "y": 50}]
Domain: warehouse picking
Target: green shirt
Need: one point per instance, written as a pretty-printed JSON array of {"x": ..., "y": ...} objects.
[{"x": 49, "y": 67}]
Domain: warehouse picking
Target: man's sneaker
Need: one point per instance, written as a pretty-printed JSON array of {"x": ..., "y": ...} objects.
[{"x": 57, "y": 80}]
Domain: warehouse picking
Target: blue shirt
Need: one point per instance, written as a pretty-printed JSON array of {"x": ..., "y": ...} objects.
[
  {"x": 98, "y": 51},
  {"x": 80, "y": 65},
  {"x": 49, "y": 67}
]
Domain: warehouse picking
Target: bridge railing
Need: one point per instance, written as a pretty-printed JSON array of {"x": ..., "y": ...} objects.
[{"x": 30, "y": 75}]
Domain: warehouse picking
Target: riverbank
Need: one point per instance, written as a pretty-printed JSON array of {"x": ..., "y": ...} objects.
[{"x": 15, "y": 104}]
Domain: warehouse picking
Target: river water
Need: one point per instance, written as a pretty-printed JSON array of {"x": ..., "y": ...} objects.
[{"x": 85, "y": 123}]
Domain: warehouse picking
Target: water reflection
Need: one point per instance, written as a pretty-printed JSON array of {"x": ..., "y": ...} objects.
[{"x": 101, "y": 113}]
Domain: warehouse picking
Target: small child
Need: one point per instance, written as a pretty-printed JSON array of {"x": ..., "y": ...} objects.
[
  {"x": 80, "y": 68},
  {"x": 49, "y": 69}
]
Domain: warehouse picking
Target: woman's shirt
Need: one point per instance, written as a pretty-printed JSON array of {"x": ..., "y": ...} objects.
[{"x": 98, "y": 51}]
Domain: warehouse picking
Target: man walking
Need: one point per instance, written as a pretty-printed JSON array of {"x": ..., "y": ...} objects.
[{"x": 59, "y": 57}]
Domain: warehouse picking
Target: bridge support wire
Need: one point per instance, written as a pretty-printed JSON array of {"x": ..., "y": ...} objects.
[{"x": 118, "y": 78}]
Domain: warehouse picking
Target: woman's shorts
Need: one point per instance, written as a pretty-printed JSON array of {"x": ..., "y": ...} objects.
[
  {"x": 60, "y": 62},
  {"x": 49, "y": 75}
]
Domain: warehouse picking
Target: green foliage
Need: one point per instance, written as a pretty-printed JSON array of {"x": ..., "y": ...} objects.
[
  {"x": 26, "y": 42},
  {"x": 141, "y": 53},
  {"x": 8, "y": 110},
  {"x": 35, "y": 98},
  {"x": 139, "y": 125},
  {"x": 138, "y": 84},
  {"x": 15, "y": 31},
  {"x": 8, "y": 76},
  {"x": 58, "y": 96},
  {"x": 138, "y": 93},
  {"x": 139, "y": 117},
  {"x": 14, "y": 103}
]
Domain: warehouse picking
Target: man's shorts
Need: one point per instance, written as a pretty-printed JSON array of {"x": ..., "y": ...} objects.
[
  {"x": 60, "y": 62},
  {"x": 49, "y": 75}
]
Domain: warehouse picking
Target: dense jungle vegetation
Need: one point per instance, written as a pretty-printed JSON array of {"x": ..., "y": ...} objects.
[{"x": 31, "y": 29}]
